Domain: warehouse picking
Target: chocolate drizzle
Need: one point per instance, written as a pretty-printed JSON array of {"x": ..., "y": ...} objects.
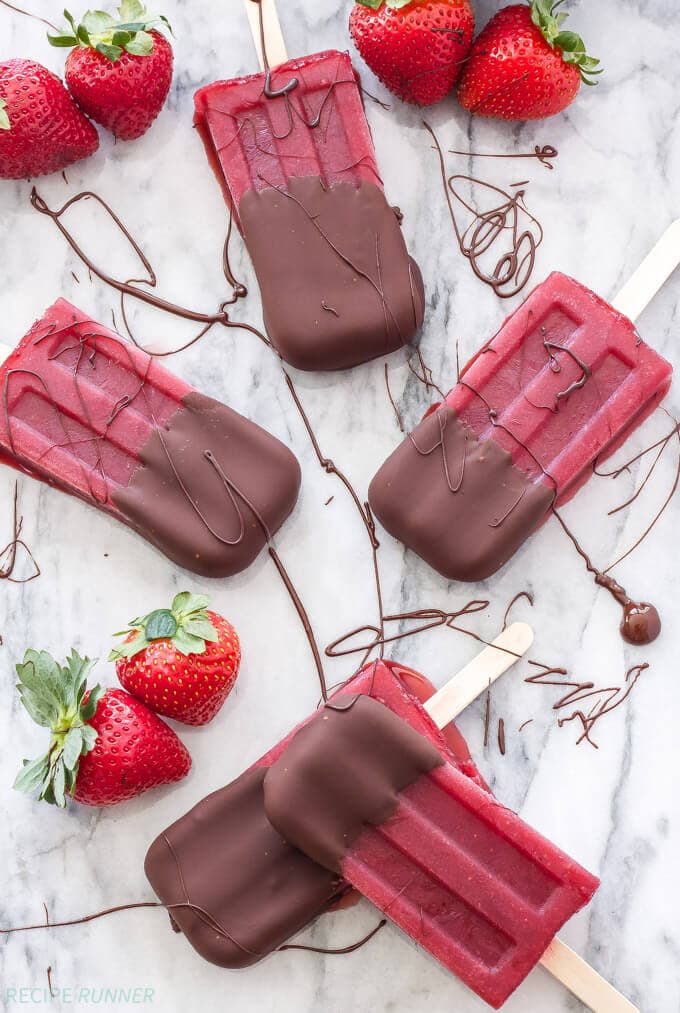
[
  {"x": 9, "y": 556},
  {"x": 601, "y": 702},
  {"x": 509, "y": 272},
  {"x": 641, "y": 623},
  {"x": 352, "y": 948},
  {"x": 545, "y": 155},
  {"x": 33, "y": 17},
  {"x": 132, "y": 287}
]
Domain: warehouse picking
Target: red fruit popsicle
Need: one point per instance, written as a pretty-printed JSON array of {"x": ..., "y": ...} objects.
[
  {"x": 293, "y": 152},
  {"x": 246, "y": 891},
  {"x": 561, "y": 386},
  {"x": 91, "y": 414},
  {"x": 362, "y": 793}
]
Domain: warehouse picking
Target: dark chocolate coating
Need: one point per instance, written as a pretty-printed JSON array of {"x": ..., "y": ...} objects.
[
  {"x": 212, "y": 518},
  {"x": 458, "y": 502},
  {"x": 342, "y": 772},
  {"x": 338, "y": 286},
  {"x": 242, "y": 890}
]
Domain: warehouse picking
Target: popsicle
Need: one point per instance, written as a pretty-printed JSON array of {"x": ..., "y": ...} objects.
[
  {"x": 293, "y": 152},
  {"x": 364, "y": 795},
  {"x": 561, "y": 386},
  {"x": 248, "y": 891},
  {"x": 92, "y": 414},
  {"x": 235, "y": 921}
]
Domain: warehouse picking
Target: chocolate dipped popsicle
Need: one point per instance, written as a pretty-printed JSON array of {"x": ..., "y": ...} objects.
[
  {"x": 293, "y": 152},
  {"x": 562, "y": 385},
  {"x": 92, "y": 414},
  {"x": 365, "y": 795},
  {"x": 245, "y": 889}
]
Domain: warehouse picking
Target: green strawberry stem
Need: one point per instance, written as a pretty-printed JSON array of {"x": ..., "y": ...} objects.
[
  {"x": 186, "y": 624},
  {"x": 4, "y": 118},
  {"x": 571, "y": 45},
  {"x": 56, "y": 697},
  {"x": 112, "y": 36}
]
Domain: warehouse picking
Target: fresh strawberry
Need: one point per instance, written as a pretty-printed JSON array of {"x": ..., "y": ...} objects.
[
  {"x": 182, "y": 661},
  {"x": 105, "y": 745},
  {"x": 524, "y": 66},
  {"x": 120, "y": 70},
  {"x": 417, "y": 48},
  {"x": 41, "y": 128}
]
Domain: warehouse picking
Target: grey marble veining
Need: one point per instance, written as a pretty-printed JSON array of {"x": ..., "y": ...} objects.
[{"x": 616, "y": 809}]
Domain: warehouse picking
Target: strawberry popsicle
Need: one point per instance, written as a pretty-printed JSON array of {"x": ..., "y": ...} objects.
[
  {"x": 293, "y": 152},
  {"x": 243, "y": 890},
  {"x": 559, "y": 388},
  {"x": 91, "y": 414},
  {"x": 364, "y": 795}
]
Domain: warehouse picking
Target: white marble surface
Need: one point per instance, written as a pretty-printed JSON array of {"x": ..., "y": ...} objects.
[{"x": 617, "y": 809}]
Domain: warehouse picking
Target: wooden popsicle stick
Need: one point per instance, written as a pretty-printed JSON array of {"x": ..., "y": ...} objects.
[
  {"x": 5, "y": 352},
  {"x": 479, "y": 674},
  {"x": 653, "y": 272},
  {"x": 273, "y": 36},
  {"x": 572, "y": 971},
  {"x": 583, "y": 981}
]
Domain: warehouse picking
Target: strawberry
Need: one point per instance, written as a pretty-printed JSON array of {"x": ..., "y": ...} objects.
[
  {"x": 105, "y": 746},
  {"x": 523, "y": 66},
  {"x": 41, "y": 128},
  {"x": 417, "y": 48},
  {"x": 182, "y": 662},
  {"x": 120, "y": 70}
]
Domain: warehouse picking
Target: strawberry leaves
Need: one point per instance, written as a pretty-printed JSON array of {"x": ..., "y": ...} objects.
[
  {"x": 112, "y": 36},
  {"x": 572, "y": 46},
  {"x": 187, "y": 625},
  {"x": 56, "y": 697}
]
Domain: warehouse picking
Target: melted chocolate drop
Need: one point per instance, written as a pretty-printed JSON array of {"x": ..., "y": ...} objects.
[{"x": 641, "y": 623}]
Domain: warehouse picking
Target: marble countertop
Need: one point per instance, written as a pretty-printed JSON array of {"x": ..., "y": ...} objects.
[{"x": 616, "y": 808}]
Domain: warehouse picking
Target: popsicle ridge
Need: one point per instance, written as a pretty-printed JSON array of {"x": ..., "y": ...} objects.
[{"x": 99, "y": 418}]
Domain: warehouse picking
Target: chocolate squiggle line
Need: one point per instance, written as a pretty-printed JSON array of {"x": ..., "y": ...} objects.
[
  {"x": 514, "y": 268},
  {"x": 521, "y": 594},
  {"x": 131, "y": 287},
  {"x": 605, "y": 700},
  {"x": 429, "y": 619},
  {"x": 33, "y": 17},
  {"x": 10, "y": 554},
  {"x": 352, "y": 948},
  {"x": 545, "y": 155}
]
